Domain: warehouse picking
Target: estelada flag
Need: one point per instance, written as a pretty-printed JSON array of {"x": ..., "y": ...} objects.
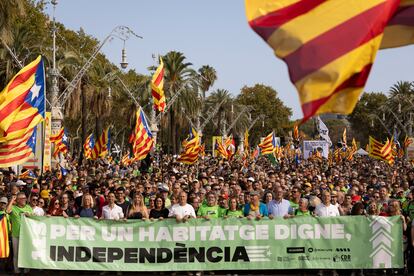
[
  {"x": 22, "y": 102},
  {"x": 330, "y": 46}
]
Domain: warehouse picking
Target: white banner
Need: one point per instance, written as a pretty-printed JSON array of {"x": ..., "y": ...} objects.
[{"x": 311, "y": 146}]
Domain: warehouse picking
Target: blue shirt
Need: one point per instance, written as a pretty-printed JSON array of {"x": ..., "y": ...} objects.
[
  {"x": 262, "y": 209},
  {"x": 279, "y": 209}
]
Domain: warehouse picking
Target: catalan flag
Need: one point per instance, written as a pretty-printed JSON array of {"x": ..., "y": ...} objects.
[
  {"x": 157, "y": 88},
  {"x": 268, "y": 144},
  {"x": 22, "y": 102},
  {"x": 60, "y": 141},
  {"x": 191, "y": 151},
  {"x": 386, "y": 152},
  {"x": 19, "y": 150},
  {"x": 296, "y": 132},
  {"x": 27, "y": 174},
  {"x": 328, "y": 46},
  {"x": 141, "y": 137},
  {"x": 400, "y": 29},
  {"x": 102, "y": 145},
  {"x": 344, "y": 138},
  {"x": 246, "y": 146},
  {"x": 126, "y": 160},
  {"x": 220, "y": 148},
  {"x": 375, "y": 148},
  {"x": 230, "y": 146},
  {"x": 88, "y": 146},
  {"x": 4, "y": 238}
]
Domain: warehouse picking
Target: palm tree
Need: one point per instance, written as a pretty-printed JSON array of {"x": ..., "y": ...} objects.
[
  {"x": 208, "y": 76},
  {"x": 179, "y": 78},
  {"x": 10, "y": 11},
  {"x": 223, "y": 97}
]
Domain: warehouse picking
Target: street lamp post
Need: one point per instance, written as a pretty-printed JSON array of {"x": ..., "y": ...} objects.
[{"x": 56, "y": 109}]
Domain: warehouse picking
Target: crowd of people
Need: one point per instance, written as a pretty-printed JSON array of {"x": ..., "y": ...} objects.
[{"x": 161, "y": 188}]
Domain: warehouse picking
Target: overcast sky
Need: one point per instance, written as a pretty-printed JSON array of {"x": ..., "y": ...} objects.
[{"x": 213, "y": 32}]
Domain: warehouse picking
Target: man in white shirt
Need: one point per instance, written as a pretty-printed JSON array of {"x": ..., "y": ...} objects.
[
  {"x": 37, "y": 211},
  {"x": 279, "y": 207},
  {"x": 326, "y": 209},
  {"x": 182, "y": 211},
  {"x": 112, "y": 211}
]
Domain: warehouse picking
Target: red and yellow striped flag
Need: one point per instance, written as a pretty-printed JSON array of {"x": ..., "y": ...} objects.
[
  {"x": 141, "y": 137},
  {"x": 296, "y": 132},
  {"x": 400, "y": 29},
  {"x": 22, "y": 102},
  {"x": 328, "y": 46},
  {"x": 191, "y": 151},
  {"x": 59, "y": 141},
  {"x": 4, "y": 238},
  {"x": 344, "y": 138},
  {"x": 267, "y": 145},
  {"x": 102, "y": 145},
  {"x": 157, "y": 87}
]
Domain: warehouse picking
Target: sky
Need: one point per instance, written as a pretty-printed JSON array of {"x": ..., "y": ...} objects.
[{"x": 213, "y": 32}]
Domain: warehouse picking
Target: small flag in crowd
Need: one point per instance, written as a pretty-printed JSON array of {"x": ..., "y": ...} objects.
[
  {"x": 296, "y": 132},
  {"x": 268, "y": 144},
  {"x": 246, "y": 146},
  {"x": 324, "y": 131},
  {"x": 344, "y": 138},
  {"x": 191, "y": 150},
  {"x": 141, "y": 137},
  {"x": 60, "y": 141},
  {"x": 220, "y": 148},
  {"x": 157, "y": 88},
  {"x": 88, "y": 146},
  {"x": 102, "y": 146},
  {"x": 330, "y": 46},
  {"x": 22, "y": 102}
]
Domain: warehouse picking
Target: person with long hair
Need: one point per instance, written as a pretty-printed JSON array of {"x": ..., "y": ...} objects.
[
  {"x": 138, "y": 210},
  {"x": 159, "y": 211},
  {"x": 234, "y": 211},
  {"x": 55, "y": 209}
]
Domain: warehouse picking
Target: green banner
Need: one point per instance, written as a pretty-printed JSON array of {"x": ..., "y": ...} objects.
[{"x": 218, "y": 244}]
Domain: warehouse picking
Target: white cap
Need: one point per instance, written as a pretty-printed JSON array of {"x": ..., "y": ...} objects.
[
  {"x": 250, "y": 179},
  {"x": 20, "y": 183}
]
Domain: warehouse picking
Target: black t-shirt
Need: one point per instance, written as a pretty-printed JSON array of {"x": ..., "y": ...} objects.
[
  {"x": 157, "y": 214},
  {"x": 124, "y": 206}
]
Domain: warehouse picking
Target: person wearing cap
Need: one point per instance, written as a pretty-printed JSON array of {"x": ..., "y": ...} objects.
[
  {"x": 255, "y": 208},
  {"x": 164, "y": 190},
  {"x": 279, "y": 207},
  {"x": 3, "y": 204},
  {"x": 16, "y": 207}
]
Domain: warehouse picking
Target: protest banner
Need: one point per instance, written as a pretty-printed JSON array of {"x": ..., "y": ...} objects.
[
  {"x": 309, "y": 147},
  {"x": 217, "y": 244}
]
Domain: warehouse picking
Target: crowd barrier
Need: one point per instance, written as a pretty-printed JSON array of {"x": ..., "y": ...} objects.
[{"x": 357, "y": 242}]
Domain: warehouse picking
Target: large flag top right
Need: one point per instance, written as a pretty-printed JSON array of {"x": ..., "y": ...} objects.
[{"x": 330, "y": 46}]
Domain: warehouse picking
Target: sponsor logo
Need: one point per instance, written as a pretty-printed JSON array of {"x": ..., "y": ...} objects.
[{"x": 294, "y": 250}]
